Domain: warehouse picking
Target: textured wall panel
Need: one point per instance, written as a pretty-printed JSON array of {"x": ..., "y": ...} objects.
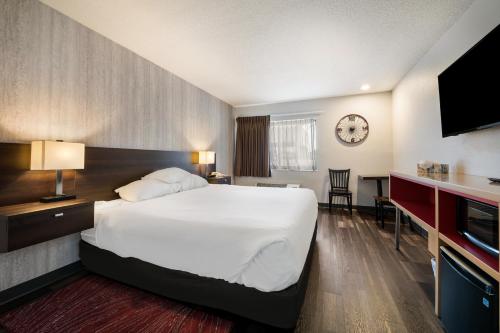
[{"x": 61, "y": 80}]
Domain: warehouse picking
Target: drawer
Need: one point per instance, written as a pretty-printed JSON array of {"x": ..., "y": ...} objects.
[
  {"x": 220, "y": 180},
  {"x": 225, "y": 180},
  {"x": 29, "y": 229}
]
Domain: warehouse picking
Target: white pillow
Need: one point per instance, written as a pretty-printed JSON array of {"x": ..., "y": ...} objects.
[
  {"x": 168, "y": 175},
  {"x": 192, "y": 182},
  {"x": 146, "y": 189}
]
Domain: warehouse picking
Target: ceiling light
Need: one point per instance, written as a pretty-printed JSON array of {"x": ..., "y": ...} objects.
[{"x": 365, "y": 87}]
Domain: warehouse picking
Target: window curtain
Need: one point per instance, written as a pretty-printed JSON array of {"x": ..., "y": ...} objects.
[
  {"x": 293, "y": 144},
  {"x": 252, "y": 147}
]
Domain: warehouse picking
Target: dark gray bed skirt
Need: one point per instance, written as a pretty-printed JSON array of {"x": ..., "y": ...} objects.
[{"x": 280, "y": 309}]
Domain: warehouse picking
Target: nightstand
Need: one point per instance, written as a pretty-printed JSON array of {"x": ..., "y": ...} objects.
[
  {"x": 31, "y": 223},
  {"x": 219, "y": 180}
]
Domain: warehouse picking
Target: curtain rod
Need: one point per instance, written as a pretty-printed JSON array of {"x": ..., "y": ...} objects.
[{"x": 315, "y": 113}]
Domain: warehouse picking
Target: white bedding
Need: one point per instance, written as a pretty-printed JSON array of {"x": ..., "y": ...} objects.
[
  {"x": 255, "y": 236},
  {"x": 89, "y": 236}
]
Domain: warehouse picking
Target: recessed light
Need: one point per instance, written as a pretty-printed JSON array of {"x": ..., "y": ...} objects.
[{"x": 365, "y": 87}]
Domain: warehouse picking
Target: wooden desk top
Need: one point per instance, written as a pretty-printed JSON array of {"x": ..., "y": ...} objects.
[
  {"x": 33, "y": 207},
  {"x": 477, "y": 186},
  {"x": 373, "y": 177}
]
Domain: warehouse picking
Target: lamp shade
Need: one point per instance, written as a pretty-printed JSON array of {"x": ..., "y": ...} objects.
[
  {"x": 206, "y": 157},
  {"x": 57, "y": 155}
]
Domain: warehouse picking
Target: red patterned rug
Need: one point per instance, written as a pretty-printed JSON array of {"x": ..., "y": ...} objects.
[{"x": 96, "y": 304}]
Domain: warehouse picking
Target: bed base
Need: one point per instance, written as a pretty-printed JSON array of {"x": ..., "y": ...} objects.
[{"x": 280, "y": 309}]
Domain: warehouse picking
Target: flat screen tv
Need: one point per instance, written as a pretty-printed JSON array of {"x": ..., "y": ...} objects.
[{"x": 469, "y": 90}]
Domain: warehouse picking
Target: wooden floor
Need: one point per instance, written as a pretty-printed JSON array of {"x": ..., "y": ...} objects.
[{"x": 360, "y": 283}]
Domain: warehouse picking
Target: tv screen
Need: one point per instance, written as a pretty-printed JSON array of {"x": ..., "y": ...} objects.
[{"x": 469, "y": 90}]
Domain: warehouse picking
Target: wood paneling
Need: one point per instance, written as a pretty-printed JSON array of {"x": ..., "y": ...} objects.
[
  {"x": 109, "y": 168},
  {"x": 105, "y": 170},
  {"x": 61, "y": 80}
]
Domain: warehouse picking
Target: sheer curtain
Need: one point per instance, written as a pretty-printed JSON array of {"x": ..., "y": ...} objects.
[{"x": 293, "y": 144}]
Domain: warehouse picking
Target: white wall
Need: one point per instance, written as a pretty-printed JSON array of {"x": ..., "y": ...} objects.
[
  {"x": 374, "y": 155},
  {"x": 416, "y": 113}
]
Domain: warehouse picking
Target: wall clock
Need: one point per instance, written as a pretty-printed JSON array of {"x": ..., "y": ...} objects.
[{"x": 352, "y": 128}]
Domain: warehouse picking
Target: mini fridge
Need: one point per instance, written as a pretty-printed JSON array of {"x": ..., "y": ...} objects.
[{"x": 469, "y": 298}]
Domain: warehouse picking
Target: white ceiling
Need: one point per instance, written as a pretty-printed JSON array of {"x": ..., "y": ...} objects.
[{"x": 265, "y": 51}]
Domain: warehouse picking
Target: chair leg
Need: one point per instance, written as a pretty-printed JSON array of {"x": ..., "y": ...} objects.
[
  {"x": 382, "y": 215},
  {"x": 376, "y": 211},
  {"x": 330, "y": 203},
  {"x": 349, "y": 202},
  {"x": 409, "y": 222}
]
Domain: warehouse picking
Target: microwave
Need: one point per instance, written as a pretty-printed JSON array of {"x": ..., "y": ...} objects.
[{"x": 478, "y": 223}]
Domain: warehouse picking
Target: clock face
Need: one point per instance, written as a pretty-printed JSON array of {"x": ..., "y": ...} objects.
[{"x": 352, "y": 129}]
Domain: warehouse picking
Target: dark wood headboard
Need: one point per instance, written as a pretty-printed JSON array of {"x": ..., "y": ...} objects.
[{"x": 105, "y": 170}]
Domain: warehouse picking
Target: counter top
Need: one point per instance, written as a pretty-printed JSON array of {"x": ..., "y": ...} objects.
[{"x": 476, "y": 186}]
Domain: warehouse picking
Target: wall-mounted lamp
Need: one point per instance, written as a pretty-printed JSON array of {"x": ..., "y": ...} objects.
[
  {"x": 59, "y": 156},
  {"x": 205, "y": 158}
]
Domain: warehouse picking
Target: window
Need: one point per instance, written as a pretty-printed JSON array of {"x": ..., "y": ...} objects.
[{"x": 293, "y": 144}]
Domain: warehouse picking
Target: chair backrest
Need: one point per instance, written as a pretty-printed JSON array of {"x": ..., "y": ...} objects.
[{"x": 339, "y": 179}]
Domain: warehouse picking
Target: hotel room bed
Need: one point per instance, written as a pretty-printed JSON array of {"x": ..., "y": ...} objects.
[{"x": 245, "y": 250}]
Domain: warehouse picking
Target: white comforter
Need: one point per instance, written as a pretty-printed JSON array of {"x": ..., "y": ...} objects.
[{"x": 258, "y": 237}]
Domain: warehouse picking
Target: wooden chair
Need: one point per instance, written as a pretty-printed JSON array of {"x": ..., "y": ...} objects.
[
  {"x": 339, "y": 187},
  {"x": 380, "y": 202}
]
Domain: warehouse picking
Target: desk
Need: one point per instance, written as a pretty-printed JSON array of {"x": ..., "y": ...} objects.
[
  {"x": 378, "y": 178},
  {"x": 430, "y": 201}
]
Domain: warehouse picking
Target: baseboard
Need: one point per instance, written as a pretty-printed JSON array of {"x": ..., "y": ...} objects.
[
  {"x": 37, "y": 285},
  {"x": 371, "y": 210},
  {"x": 359, "y": 208}
]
